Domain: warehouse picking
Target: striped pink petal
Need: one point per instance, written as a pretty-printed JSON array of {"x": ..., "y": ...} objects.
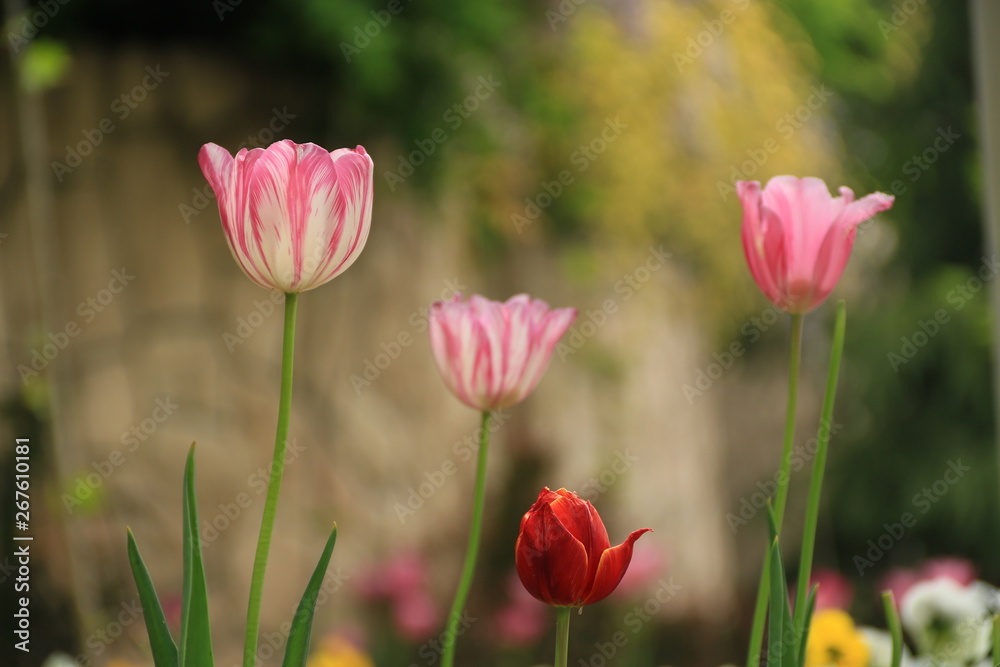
[
  {"x": 492, "y": 354},
  {"x": 295, "y": 215}
]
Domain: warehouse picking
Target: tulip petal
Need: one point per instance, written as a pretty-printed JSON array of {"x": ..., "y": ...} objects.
[
  {"x": 551, "y": 563},
  {"x": 583, "y": 523},
  {"x": 755, "y": 245},
  {"x": 613, "y": 564},
  {"x": 352, "y": 211},
  {"x": 836, "y": 249}
]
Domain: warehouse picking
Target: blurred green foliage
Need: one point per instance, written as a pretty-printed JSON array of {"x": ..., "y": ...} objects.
[{"x": 694, "y": 108}]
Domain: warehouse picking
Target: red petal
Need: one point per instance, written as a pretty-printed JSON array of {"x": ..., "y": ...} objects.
[
  {"x": 551, "y": 563},
  {"x": 612, "y": 568},
  {"x": 584, "y": 523}
]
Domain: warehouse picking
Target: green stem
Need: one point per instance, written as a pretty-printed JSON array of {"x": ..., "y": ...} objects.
[
  {"x": 760, "y": 607},
  {"x": 472, "y": 550},
  {"x": 274, "y": 484},
  {"x": 562, "y": 636},
  {"x": 996, "y": 640},
  {"x": 895, "y": 631},
  {"x": 819, "y": 465}
]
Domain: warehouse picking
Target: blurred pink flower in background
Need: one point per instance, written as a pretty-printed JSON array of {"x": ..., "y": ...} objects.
[
  {"x": 403, "y": 572},
  {"x": 835, "y": 591},
  {"x": 491, "y": 354},
  {"x": 649, "y": 562},
  {"x": 959, "y": 570},
  {"x": 899, "y": 580},
  {"x": 295, "y": 215},
  {"x": 797, "y": 238},
  {"x": 523, "y": 620},
  {"x": 403, "y": 582},
  {"x": 416, "y": 615}
]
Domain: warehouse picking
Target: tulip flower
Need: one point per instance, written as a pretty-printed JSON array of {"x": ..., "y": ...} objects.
[
  {"x": 563, "y": 555},
  {"x": 492, "y": 354},
  {"x": 797, "y": 238},
  {"x": 295, "y": 215}
]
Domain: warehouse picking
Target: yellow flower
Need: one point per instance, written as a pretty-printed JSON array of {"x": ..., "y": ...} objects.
[
  {"x": 338, "y": 652},
  {"x": 834, "y": 641}
]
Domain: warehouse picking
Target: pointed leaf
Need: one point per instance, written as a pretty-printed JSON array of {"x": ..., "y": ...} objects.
[
  {"x": 160, "y": 642},
  {"x": 803, "y": 638},
  {"x": 896, "y": 630},
  {"x": 777, "y": 611},
  {"x": 196, "y": 641},
  {"x": 298, "y": 637}
]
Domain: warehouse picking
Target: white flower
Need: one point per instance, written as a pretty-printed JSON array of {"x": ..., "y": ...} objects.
[
  {"x": 880, "y": 648},
  {"x": 950, "y": 623}
]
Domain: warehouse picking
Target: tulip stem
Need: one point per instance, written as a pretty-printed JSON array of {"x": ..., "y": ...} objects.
[
  {"x": 760, "y": 608},
  {"x": 562, "y": 636},
  {"x": 819, "y": 465},
  {"x": 472, "y": 550},
  {"x": 274, "y": 484}
]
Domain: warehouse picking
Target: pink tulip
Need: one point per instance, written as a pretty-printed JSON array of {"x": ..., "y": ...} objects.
[
  {"x": 492, "y": 354},
  {"x": 295, "y": 215},
  {"x": 797, "y": 238}
]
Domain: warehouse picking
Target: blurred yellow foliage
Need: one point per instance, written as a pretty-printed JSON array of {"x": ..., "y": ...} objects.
[{"x": 664, "y": 106}]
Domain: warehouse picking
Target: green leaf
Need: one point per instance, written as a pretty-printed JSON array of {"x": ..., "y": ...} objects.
[
  {"x": 160, "y": 642},
  {"x": 777, "y": 618},
  {"x": 803, "y": 639},
  {"x": 196, "y": 641},
  {"x": 895, "y": 629},
  {"x": 298, "y": 637}
]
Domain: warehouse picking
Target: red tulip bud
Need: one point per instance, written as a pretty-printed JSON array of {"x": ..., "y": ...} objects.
[{"x": 563, "y": 555}]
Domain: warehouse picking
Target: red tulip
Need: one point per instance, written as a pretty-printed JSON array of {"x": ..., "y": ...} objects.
[
  {"x": 797, "y": 238},
  {"x": 295, "y": 215},
  {"x": 563, "y": 555}
]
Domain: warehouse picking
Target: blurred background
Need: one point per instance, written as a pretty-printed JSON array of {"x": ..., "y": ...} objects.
[{"x": 579, "y": 150}]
